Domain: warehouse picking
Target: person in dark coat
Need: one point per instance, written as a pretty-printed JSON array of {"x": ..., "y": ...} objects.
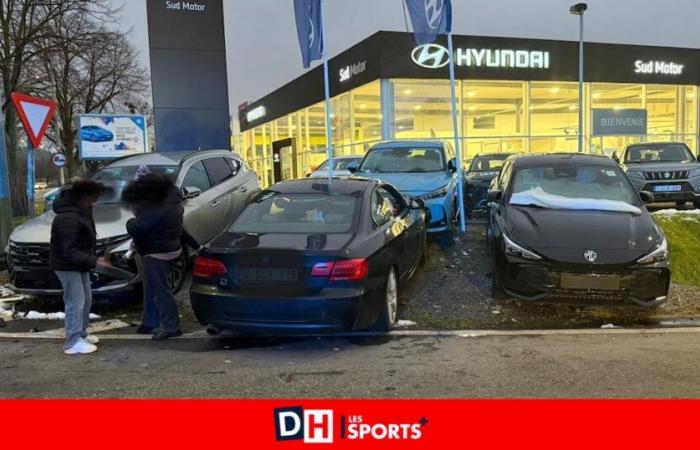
[
  {"x": 72, "y": 257},
  {"x": 158, "y": 234}
]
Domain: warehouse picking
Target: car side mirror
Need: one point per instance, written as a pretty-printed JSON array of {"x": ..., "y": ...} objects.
[
  {"x": 494, "y": 196},
  {"x": 189, "y": 192},
  {"x": 352, "y": 167},
  {"x": 647, "y": 197},
  {"x": 417, "y": 203},
  {"x": 615, "y": 157},
  {"x": 452, "y": 165}
]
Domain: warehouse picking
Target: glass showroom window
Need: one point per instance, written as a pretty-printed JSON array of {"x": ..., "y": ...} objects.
[
  {"x": 689, "y": 102},
  {"x": 340, "y": 120},
  {"x": 616, "y": 96},
  {"x": 662, "y": 110},
  {"x": 367, "y": 116},
  {"x": 493, "y": 115},
  {"x": 554, "y": 116},
  {"x": 316, "y": 135},
  {"x": 422, "y": 109}
]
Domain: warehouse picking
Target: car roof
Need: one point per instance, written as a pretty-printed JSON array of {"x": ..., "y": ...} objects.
[
  {"x": 338, "y": 185},
  {"x": 409, "y": 144},
  {"x": 335, "y": 158},
  {"x": 481, "y": 155},
  {"x": 562, "y": 158},
  {"x": 655, "y": 144},
  {"x": 166, "y": 158}
]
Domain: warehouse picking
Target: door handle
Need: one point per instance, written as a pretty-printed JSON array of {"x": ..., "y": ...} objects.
[{"x": 216, "y": 204}]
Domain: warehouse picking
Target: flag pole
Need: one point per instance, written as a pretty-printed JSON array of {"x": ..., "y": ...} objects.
[
  {"x": 458, "y": 147},
  {"x": 327, "y": 89}
]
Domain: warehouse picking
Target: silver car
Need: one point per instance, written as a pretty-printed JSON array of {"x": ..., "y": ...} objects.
[
  {"x": 215, "y": 184},
  {"x": 668, "y": 170},
  {"x": 340, "y": 167}
]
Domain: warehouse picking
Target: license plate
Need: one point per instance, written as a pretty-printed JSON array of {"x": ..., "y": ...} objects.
[
  {"x": 671, "y": 188},
  {"x": 265, "y": 275},
  {"x": 590, "y": 282}
]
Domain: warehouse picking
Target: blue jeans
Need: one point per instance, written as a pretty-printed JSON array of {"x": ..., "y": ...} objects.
[{"x": 77, "y": 299}]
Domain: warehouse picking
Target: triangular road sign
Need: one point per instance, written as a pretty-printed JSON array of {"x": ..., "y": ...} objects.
[{"x": 36, "y": 115}]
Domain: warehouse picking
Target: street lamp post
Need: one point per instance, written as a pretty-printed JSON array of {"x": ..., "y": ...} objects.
[{"x": 578, "y": 9}]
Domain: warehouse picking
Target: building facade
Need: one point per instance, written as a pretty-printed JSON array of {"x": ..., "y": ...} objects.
[{"x": 513, "y": 95}]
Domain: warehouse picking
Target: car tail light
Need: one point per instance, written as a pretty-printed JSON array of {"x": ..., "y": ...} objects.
[
  {"x": 207, "y": 267},
  {"x": 342, "y": 270}
]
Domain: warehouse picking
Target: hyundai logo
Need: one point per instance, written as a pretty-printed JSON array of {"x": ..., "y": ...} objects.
[
  {"x": 312, "y": 34},
  {"x": 667, "y": 175},
  {"x": 590, "y": 256},
  {"x": 433, "y": 12},
  {"x": 431, "y": 56}
]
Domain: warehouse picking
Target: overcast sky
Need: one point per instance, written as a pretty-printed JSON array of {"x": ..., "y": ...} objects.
[{"x": 263, "y": 53}]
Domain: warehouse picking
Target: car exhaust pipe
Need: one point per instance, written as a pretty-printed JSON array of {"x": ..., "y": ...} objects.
[{"x": 213, "y": 331}]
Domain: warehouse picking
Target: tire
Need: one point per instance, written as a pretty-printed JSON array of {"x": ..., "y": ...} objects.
[
  {"x": 680, "y": 204},
  {"x": 387, "y": 318},
  {"x": 696, "y": 204},
  {"x": 178, "y": 273},
  {"x": 497, "y": 291}
]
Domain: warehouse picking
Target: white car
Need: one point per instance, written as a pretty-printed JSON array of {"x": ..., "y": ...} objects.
[{"x": 340, "y": 167}]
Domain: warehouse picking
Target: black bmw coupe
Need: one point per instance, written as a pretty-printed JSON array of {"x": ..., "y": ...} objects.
[
  {"x": 310, "y": 256},
  {"x": 571, "y": 228}
]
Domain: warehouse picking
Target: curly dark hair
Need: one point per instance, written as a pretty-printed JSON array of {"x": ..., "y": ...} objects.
[{"x": 150, "y": 189}]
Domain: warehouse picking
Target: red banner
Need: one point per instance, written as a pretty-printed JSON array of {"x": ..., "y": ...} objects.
[{"x": 392, "y": 424}]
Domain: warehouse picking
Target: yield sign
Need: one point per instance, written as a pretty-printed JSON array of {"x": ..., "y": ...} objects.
[{"x": 35, "y": 114}]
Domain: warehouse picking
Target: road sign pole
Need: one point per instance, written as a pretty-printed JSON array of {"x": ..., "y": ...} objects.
[
  {"x": 5, "y": 204},
  {"x": 30, "y": 178}
]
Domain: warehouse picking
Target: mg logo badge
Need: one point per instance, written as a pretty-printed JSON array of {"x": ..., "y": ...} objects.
[
  {"x": 590, "y": 256},
  {"x": 433, "y": 12},
  {"x": 431, "y": 56}
]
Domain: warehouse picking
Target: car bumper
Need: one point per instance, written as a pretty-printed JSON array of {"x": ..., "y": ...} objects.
[
  {"x": 440, "y": 216},
  {"x": 295, "y": 316},
  {"x": 690, "y": 190},
  {"x": 645, "y": 287},
  {"x": 44, "y": 283}
]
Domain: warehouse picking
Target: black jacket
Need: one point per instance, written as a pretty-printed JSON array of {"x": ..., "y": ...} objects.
[
  {"x": 73, "y": 237},
  {"x": 157, "y": 228}
]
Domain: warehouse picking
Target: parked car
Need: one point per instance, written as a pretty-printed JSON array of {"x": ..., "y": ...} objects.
[
  {"x": 340, "y": 167},
  {"x": 572, "y": 228},
  {"x": 93, "y": 133},
  {"x": 668, "y": 170},
  {"x": 426, "y": 170},
  {"x": 482, "y": 170},
  {"x": 215, "y": 184},
  {"x": 309, "y": 256}
]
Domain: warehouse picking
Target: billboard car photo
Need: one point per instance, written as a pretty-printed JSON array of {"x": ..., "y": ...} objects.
[{"x": 107, "y": 137}]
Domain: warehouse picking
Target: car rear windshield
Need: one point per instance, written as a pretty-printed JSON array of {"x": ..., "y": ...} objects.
[
  {"x": 573, "y": 186},
  {"x": 339, "y": 164},
  {"x": 117, "y": 178},
  {"x": 297, "y": 213},
  {"x": 658, "y": 153},
  {"x": 490, "y": 163},
  {"x": 419, "y": 159}
]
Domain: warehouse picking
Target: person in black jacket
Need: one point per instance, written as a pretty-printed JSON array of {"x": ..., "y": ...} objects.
[
  {"x": 72, "y": 257},
  {"x": 158, "y": 234}
]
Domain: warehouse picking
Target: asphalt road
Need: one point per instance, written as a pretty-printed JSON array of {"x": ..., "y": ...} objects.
[{"x": 600, "y": 363}]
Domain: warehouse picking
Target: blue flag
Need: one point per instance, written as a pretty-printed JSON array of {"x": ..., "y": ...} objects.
[
  {"x": 308, "y": 17},
  {"x": 430, "y": 18}
]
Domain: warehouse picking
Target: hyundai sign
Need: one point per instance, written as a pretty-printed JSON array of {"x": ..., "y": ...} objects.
[
  {"x": 615, "y": 122},
  {"x": 106, "y": 137},
  {"x": 435, "y": 56}
]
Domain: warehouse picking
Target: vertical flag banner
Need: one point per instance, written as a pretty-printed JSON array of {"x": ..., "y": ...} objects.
[
  {"x": 430, "y": 18},
  {"x": 308, "y": 18}
]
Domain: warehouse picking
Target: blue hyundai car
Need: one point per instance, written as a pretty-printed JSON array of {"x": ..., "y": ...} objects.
[
  {"x": 426, "y": 170},
  {"x": 93, "y": 133}
]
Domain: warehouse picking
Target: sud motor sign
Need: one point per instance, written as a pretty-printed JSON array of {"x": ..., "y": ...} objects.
[{"x": 106, "y": 137}]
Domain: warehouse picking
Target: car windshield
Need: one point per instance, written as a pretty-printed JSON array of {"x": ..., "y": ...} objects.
[
  {"x": 417, "y": 159},
  {"x": 658, "y": 153},
  {"x": 116, "y": 179},
  {"x": 339, "y": 163},
  {"x": 574, "y": 186},
  {"x": 273, "y": 212},
  {"x": 488, "y": 163}
]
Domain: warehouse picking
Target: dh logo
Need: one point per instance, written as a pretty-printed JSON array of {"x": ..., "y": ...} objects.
[
  {"x": 431, "y": 56},
  {"x": 433, "y": 12},
  {"x": 313, "y": 426}
]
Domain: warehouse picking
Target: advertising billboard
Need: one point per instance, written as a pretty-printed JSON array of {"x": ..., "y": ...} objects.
[{"x": 105, "y": 137}]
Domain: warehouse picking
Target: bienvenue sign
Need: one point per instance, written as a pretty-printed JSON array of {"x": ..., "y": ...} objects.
[{"x": 608, "y": 122}]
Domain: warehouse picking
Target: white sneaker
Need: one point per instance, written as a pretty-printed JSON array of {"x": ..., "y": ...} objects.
[
  {"x": 81, "y": 348},
  {"x": 94, "y": 340}
]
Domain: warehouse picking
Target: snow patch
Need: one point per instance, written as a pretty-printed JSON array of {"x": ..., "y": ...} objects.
[
  {"x": 405, "y": 323},
  {"x": 675, "y": 212},
  {"x": 609, "y": 326},
  {"x": 538, "y": 197},
  {"x": 34, "y": 315}
]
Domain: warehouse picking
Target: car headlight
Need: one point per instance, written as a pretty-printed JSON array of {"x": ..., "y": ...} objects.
[
  {"x": 635, "y": 174},
  {"x": 514, "y": 249},
  {"x": 658, "y": 255},
  {"x": 435, "y": 194},
  {"x": 694, "y": 173}
]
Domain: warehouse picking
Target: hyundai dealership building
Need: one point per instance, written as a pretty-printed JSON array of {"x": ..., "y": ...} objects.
[{"x": 514, "y": 95}]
